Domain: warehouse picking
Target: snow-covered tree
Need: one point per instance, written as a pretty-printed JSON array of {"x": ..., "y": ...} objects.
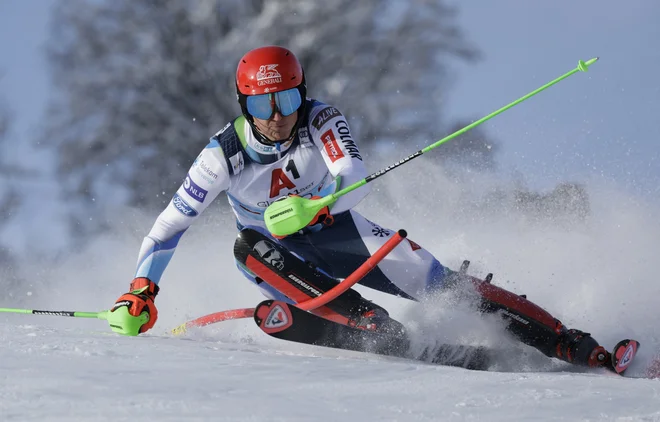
[
  {"x": 9, "y": 201},
  {"x": 142, "y": 85},
  {"x": 9, "y": 197},
  {"x": 4, "y": 124}
]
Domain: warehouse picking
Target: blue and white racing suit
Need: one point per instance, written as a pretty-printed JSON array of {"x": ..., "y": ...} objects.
[{"x": 321, "y": 159}]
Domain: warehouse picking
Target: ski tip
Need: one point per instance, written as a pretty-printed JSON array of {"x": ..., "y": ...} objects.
[
  {"x": 623, "y": 354},
  {"x": 273, "y": 316}
]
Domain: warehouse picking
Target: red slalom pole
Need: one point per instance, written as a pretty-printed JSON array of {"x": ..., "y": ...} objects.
[
  {"x": 213, "y": 318},
  {"x": 310, "y": 304},
  {"x": 357, "y": 275}
]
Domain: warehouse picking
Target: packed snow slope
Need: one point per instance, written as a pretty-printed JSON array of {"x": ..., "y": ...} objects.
[{"x": 597, "y": 274}]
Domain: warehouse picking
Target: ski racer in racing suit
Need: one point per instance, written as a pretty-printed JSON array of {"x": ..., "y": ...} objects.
[{"x": 287, "y": 144}]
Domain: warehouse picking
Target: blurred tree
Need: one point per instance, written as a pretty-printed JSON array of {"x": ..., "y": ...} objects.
[
  {"x": 9, "y": 202},
  {"x": 4, "y": 123},
  {"x": 142, "y": 85},
  {"x": 9, "y": 197}
]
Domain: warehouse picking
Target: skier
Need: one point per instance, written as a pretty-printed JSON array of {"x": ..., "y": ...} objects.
[{"x": 283, "y": 144}]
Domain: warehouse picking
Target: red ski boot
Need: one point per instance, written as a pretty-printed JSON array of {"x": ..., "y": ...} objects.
[{"x": 579, "y": 348}]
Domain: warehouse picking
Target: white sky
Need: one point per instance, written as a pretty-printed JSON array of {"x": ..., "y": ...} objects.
[{"x": 604, "y": 121}]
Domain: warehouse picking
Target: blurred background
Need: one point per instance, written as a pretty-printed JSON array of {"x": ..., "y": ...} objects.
[{"x": 105, "y": 104}]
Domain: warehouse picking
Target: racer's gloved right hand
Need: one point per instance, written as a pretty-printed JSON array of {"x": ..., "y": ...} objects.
[
  {"x": 323, "y": 216},
  {"x": 140, "y": 298}
]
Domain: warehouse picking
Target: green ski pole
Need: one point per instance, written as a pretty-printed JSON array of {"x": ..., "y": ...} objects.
[
  {"x": 292, "y": 213},
  {"x": 120, "y": 320},
  {"x": 98, "y": 315}
]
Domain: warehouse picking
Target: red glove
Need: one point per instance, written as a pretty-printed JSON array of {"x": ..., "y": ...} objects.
[{"x": 140, "y": 298}]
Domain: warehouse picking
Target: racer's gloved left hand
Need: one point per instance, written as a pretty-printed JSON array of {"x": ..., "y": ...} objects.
[{"x": 140, "y": 298}]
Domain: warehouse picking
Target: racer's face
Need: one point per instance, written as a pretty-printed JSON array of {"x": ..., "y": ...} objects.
[{"x": 277, "y": 127}]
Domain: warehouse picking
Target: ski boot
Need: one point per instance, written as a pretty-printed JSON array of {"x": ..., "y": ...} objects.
[
  {"x": 374, "y": 318},
  {"x": 579, "y": 348}
]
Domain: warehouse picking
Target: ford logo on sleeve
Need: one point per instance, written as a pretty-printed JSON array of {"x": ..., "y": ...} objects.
[
  {"x": 195, "y": 192},
  {"x": 183, "y": 207}
]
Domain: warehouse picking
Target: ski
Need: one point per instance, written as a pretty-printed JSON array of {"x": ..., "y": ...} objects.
[
  {"x": 623, "y": 355},
  {"x": 286, "y": 322}
]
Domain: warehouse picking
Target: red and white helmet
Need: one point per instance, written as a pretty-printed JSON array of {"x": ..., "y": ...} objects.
[{"x": 267, "y": 70}]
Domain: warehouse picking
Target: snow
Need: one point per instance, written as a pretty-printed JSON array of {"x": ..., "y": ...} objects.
[
  {"x": 78, "y": 375},
  {"x": 597, "y": 276}
]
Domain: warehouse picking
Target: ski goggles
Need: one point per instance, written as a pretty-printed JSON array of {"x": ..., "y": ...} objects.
[{"x": 265, "y": 105}]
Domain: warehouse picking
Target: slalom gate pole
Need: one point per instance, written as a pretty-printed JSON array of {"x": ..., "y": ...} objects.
[
  {"x": 310, "y": 304},
  {"x": 213, "y": 318},
  {"x": 356, "y": 275},
  {"x": 292, "y": 213}
]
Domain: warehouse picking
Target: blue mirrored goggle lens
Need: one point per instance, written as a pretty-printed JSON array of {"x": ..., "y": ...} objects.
[{"x": 287, "y": 102}]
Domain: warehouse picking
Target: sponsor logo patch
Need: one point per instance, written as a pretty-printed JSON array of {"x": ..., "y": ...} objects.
[
  {"x": 323, "y": 117},
  {"x": 237, "y": 163},
  {"x": 347, "y": 140},
  {"x": 377, "y": 230},
  {"x": 303, "y": 136},
  {"x": 627, "y": 355},
  {"x": 268, "y": 253},
  {"x": 276, "y": 318},
  {"x": 380, "y": 232},
  {"x": 202, "y": 168},
  {"x": 258, "y": 146},
  {"x": 221, "y": 131},
  {"x": 305, "y": 285},
  {"x": 268, "y": 75},
  {"x": 195, "y": 192},
  {"x": 331, "y": 146},
  {"x": 182, "y": 206},
  {"x": 514, "y": 316}
]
